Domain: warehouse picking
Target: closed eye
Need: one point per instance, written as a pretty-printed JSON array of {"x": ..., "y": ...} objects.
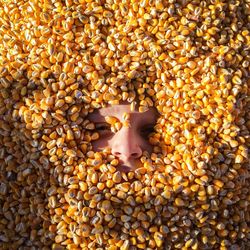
[
  {"x": 147, "y": 130},
  {"x": 103, "y": 129},
  {"x": 102, "y": 126}
]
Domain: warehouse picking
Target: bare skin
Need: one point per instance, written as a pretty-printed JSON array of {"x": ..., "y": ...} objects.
[{"x": 128, "y": 143}]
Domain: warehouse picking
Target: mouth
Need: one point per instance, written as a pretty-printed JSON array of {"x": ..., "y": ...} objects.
[{"x": 124, "y": 168}]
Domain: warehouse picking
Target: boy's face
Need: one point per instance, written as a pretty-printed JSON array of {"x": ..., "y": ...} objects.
[{"x": 128, "y": 143}]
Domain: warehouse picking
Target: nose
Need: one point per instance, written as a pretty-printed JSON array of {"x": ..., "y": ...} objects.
[{"x": 126, "y": 145}]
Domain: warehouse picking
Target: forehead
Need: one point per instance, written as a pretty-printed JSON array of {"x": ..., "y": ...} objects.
[{"x": 120, "y": 109}]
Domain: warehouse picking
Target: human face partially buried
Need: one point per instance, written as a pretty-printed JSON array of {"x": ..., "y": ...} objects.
[{"x": 129, "y": 143}]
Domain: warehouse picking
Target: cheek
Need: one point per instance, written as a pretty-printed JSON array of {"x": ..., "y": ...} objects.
[
  {"x": 147, "y": 146},
  {"x": 143, "y": 143},
  {"x": 100, "y": 143}
]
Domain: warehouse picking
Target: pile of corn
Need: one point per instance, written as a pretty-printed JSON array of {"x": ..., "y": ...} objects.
[{"x": 60, "y": 60}]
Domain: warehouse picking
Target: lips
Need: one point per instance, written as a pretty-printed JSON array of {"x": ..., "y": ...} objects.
[{"x": 124, "y": 168}]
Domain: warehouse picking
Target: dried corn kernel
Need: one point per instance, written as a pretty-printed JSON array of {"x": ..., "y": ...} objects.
[{"x": 60, "y": 60}]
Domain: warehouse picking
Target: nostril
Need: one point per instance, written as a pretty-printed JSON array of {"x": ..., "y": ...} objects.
[
  {"x": 127, "y": 150},
  {"x": 135, "y": 154},
  {"x": 116, "y": 153}
]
